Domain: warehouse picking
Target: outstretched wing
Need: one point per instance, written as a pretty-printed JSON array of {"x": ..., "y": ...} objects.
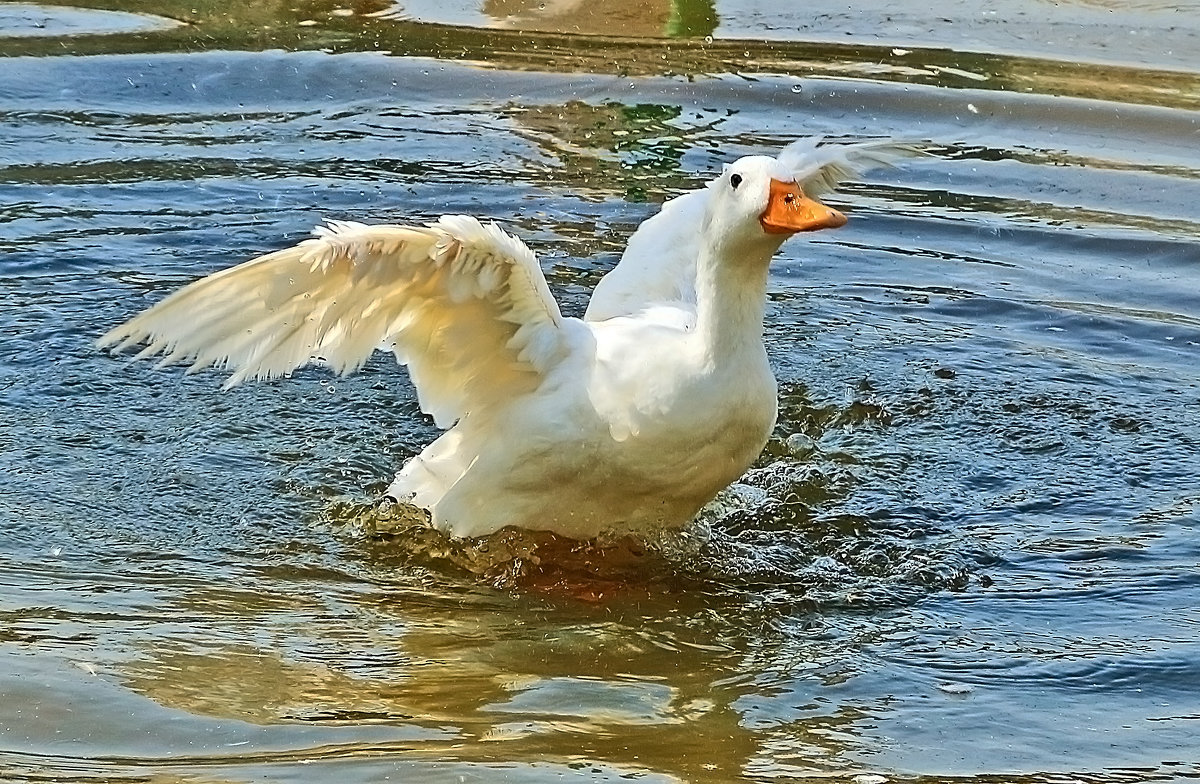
[
  {"x": 659, "y": 265},
  {"x": 464, "y": 305},
  {"x": 819, "y": 168},
  {"x": 659, "y": 262}
]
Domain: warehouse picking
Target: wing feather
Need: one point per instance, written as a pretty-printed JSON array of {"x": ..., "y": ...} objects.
[
  {"x": 463, "y": 304},
  {"x": 819, "y": 168}
]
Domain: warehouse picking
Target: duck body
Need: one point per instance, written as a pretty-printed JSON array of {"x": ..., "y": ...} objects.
[
  {"x": 665, "y": 396},
  {"x": 629, "y": 419},
  {"x": 638, "y": 430}
]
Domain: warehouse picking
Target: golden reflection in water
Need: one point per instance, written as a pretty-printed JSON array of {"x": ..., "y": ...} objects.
[
  {"x": 495, "y": 683},
  {"x": 649, "y": 19}
]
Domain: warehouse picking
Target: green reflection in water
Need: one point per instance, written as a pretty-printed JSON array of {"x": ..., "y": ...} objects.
[
  {"x": 691, "y": 19},
  {"x": 612, "y": 144}
]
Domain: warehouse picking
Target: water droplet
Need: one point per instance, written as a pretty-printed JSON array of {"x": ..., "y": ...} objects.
[
  {"x": 796, "y": 88},
  {"x": 800, "y": 445},
  {"x": 708, "y": 39}
]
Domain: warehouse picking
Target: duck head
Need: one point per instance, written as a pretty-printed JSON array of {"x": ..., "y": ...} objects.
[{"x": 757, "y": 201}]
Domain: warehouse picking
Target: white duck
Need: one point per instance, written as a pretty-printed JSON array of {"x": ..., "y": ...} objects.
[{"x": 631, "y": 418}]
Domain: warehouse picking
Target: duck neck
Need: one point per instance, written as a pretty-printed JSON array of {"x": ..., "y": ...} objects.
[{"x": 731, "y": 290}]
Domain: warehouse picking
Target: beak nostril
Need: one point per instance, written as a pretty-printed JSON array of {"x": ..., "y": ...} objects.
[{"x": 789, "y": 211}]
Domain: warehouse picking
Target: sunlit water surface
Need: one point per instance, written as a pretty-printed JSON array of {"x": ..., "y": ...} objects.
[{"x": 970, "y": 551}]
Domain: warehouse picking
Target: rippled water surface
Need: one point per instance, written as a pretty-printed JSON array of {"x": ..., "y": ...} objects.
[{"x": 970, "y": 552}]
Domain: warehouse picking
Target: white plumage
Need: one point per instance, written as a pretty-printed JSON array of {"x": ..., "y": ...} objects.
[{"x": 633, "y": 417}]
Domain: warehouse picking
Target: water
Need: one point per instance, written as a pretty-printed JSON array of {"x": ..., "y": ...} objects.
[{"x": 969, "y": 553}]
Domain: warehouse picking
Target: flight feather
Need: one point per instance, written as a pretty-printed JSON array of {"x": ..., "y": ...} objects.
[{"x": 463, "y": 304}]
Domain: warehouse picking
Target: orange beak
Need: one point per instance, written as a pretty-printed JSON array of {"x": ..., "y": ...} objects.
[{"x": 789, "y": 211}]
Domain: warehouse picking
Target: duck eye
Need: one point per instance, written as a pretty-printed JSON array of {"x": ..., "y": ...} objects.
[{"x": 735, "y": 180}]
